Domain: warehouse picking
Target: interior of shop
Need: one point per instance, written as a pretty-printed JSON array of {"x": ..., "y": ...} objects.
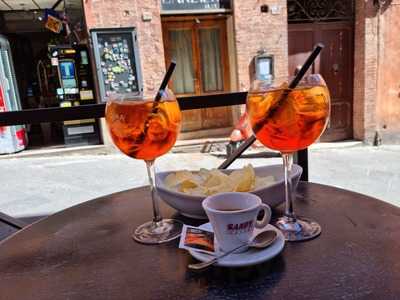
[{"x": 48, "y": 42}]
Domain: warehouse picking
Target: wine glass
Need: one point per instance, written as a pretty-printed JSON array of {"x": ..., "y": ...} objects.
[
  {"x": 289, "y": 120},
  {"x": 146, "y": 129}
]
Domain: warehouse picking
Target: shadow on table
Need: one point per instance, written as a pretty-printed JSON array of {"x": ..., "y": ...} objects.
[
  {"x": 236, "y": 281},
  {"x": 239, "y": 281}
]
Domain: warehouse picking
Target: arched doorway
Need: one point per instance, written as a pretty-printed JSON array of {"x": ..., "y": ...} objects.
[{"x": 332, "y": 23}]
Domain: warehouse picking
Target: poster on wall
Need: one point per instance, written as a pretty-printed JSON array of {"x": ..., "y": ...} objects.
[{"x": 117, "y": 62}]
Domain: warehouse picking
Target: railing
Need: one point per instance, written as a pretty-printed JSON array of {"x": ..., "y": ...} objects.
[
  {"x": 34, "y": 116},
  {"x": 54, "y": 114}
]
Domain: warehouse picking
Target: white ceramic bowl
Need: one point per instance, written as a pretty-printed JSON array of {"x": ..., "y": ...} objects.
[{"x": 190, "y": 206}]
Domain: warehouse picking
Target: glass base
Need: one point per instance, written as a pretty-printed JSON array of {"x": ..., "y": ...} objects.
[
  {"x": 299, "y": 229},
  {"x": 158, "y": 232}
]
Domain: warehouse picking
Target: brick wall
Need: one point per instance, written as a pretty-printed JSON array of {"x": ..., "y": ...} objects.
[
  {"x": 256, "y": 30},
  {"x": 388, "y": 102},
  {"x": 365, "y": 71},
  {"x": 128, "y": 13}
]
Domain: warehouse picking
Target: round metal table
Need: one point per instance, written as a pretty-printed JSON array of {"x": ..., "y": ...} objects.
[{"x": 86, "y": 252}]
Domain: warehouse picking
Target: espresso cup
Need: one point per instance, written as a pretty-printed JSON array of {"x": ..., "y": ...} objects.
[{"x": 233, "y": 217}]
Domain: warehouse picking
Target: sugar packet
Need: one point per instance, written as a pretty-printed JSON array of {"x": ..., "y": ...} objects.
[{"x": 194, "y": 238}]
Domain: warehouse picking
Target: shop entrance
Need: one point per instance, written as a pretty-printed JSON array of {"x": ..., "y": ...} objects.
[
  {"x": 49, "y": 47},
  {"x": 329, "y": 22},
  {"x": 199, "y": 46}
]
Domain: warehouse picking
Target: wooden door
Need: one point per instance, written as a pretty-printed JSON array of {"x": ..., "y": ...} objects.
[
  {"x": 335, "y": 64},
  {"x": 199, "y": 46}
]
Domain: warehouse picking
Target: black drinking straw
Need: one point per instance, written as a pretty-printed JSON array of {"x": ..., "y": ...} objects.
[
  {"x": 157, "y": 99},
  {"x": 165, "y": 81},
  {"x": 299, "y": 76}
]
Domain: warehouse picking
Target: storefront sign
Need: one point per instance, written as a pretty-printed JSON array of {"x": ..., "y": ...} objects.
[
  {"x": 53, "y": 24},
  {"x": 190, "y": 6}
]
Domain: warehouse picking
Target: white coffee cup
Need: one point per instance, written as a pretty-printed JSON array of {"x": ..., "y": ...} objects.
[{"x": 233, "y": 217}]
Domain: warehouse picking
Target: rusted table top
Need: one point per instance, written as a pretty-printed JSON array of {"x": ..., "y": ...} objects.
[{"x": 86, "y": 252}]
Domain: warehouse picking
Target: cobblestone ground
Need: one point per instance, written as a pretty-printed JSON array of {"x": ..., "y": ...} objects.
[
  {"x": 41, "y": 186},
  {"x": 374, "y": 171}
]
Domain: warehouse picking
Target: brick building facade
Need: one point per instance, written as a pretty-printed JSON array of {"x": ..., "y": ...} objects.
[
  {"x": 376, "y": 72},
  {"x": 388, "y": 61},
  {"x": 373, "y": 107},
  {"x": 255, "y": 30}
]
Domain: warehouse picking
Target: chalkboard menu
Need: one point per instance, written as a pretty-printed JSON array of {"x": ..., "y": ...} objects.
[
  {"x": 117, "y": 62},
  {"x": 177, "y": 6}
]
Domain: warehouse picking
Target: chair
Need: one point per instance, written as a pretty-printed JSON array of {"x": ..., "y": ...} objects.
[{"x": 9, "y": 225}]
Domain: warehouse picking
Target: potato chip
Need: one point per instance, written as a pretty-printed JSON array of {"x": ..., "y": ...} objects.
[
  {"x": 209, "y": 182},
  {"x": 212, "y": 181},
  {"x": 226, "y": 186},
  {"x": 204, "y": 173},
  {"x": 188, "y": 184},
  {"x": 197, "y": 191},
  {"x": 216, "y": 178},
  {"x": 248, "y": 180},
  {"x": 176, "y": 178},
  {"x": 236, "y": 175}
]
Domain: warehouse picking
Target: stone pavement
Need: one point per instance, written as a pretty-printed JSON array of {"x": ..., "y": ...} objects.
[{"x": 32, "y": 186}]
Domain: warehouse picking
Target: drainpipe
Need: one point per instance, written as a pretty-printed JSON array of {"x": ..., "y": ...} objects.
[{"x": 377, "y": 139}]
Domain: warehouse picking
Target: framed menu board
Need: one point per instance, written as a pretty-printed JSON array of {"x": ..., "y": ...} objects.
[{"x": 117, "y": 62}]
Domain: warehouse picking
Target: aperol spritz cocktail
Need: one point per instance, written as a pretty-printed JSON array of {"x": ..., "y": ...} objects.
[
  {"x": 288, "y": 120},
  {"x": 126, "y": 121},
  {"x": 146, "y": 129}
]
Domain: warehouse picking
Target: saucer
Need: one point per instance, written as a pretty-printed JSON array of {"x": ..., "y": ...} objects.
[{"x": 247, "y": 258}]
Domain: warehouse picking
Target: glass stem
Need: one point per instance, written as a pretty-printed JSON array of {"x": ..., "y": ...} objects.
[
  {"x": 154, "y": 198},
  {"x": 287, "y": 164}
]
